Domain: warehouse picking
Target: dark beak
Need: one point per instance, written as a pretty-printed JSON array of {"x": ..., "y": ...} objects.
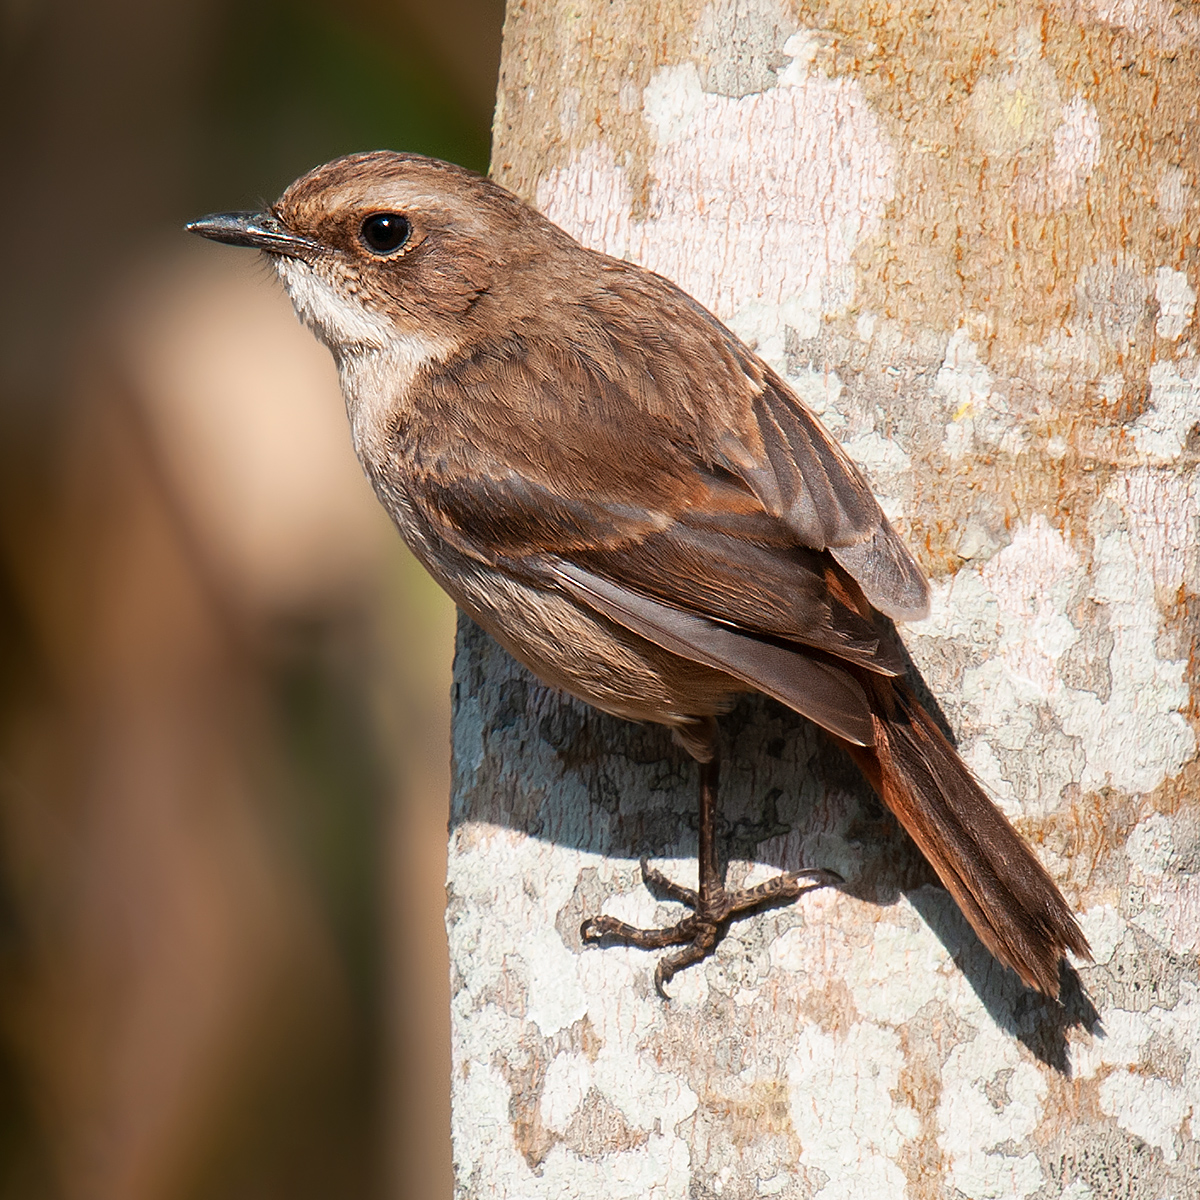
[{"x": 260, "y": 230}]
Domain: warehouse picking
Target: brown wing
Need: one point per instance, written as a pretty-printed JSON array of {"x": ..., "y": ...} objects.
[
  {"x": 737, "y": 567},
  {"x": 747, "y": 419},
  {"x": 804, "y": 477},
  {"x": 662, "y": 459},
  {"x": 630, "y": 387},
  {"x": 814, "y": 687}
]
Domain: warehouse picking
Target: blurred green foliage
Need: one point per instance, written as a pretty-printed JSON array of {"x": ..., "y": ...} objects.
[{"x": 295, "y": 83}]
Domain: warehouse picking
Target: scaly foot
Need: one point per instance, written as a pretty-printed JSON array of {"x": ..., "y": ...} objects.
[{"x": 700, "y": 933}]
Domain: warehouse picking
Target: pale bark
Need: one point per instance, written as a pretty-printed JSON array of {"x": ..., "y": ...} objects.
[{"x": 967, "y": 236}]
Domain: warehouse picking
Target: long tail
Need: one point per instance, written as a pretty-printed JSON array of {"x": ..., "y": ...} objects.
[{"x": 1002, "y": 889}]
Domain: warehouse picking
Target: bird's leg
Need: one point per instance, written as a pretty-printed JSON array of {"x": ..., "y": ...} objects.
[{"x": 713, "y": 905}]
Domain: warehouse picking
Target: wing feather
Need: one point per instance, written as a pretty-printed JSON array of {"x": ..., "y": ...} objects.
[
  {"x": 816, "y": 689},
  {"x": 671, "y": 463}
]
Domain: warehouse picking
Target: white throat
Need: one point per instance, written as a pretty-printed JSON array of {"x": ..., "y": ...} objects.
[
  {"x": 340, "y": 322},
  {"x": 376, "y": 362}
]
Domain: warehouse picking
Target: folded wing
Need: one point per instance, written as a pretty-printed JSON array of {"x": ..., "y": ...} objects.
[{"x": 677, "y": 487}]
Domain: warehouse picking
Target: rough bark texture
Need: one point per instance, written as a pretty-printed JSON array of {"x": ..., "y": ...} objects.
[{"x": 967, "y": 236}]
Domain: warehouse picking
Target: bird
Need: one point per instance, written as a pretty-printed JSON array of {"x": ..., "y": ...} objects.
[{"x": 638, "y": 509}]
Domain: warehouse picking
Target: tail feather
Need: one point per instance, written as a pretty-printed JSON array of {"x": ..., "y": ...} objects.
[{"x": 1002, "y": 889}]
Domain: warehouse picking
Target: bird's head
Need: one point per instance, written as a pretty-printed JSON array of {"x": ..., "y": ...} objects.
[{"x": 379, "y": 246}]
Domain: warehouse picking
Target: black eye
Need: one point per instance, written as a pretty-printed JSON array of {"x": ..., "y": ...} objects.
[{"x": 384, "y": 232}]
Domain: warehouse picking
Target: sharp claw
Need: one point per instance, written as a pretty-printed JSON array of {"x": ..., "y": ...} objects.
[{"x": 661, "y": 979}]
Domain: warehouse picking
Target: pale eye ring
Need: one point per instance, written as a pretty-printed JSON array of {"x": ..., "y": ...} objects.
[{"x": 384, "y": 233}]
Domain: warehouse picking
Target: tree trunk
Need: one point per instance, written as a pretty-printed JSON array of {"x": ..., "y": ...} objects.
[{"x": 967, "y": 237}]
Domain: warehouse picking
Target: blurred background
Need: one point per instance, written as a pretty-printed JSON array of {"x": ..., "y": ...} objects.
[{"x": 224, "y": 710}]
